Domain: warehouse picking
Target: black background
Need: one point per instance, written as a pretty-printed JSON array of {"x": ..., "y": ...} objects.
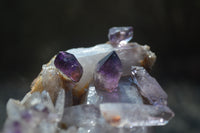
[{"x": 32, "y": 31}]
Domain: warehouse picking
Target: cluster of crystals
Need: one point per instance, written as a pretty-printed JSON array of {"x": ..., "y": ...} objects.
[
  {"x": 113, "y": 90},
  {"x": 36, "y": 113}
]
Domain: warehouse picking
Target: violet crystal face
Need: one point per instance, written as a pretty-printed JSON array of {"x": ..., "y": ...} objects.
[
  {"x": 148, "y": 87},
  {"x": 120, "y": 35},
  {"x": 69, "y": 65},
  {"x": 108, "y": 72}
]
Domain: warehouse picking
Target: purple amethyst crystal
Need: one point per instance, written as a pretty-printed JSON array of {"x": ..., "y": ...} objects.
[
  {"x": 148, "y": 87},
  {"x": 69, "y": 65},
  {"x": 120, "y": 35},
  {"x": 108, "y": 72}
]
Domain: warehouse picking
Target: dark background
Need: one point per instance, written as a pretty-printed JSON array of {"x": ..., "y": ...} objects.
[{"x": 32, "y": 31}]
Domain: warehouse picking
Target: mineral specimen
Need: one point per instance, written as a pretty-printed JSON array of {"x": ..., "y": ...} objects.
[
  {"x": 100, "y": 89},
  {"x": 108, "y": 72},
  {"x": 125, "y": 93},
  {"x": 68, "y": 64},
  {"x": 132, "y": 54},
  {"x": 133, "y": 115},
  {"x": 120, "y": 36},
  {"x": 148, "y": 86},
  {"x": 35, "y": 113}
]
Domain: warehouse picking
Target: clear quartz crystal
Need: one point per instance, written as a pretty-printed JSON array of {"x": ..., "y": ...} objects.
[
  {"x": 89, "y": 120},
  {"x": 125, "y": 93},
  {"x": 133, "y": 115},
  {"x": 35, "y": 113},
  {"x": 60, "y": 103}
]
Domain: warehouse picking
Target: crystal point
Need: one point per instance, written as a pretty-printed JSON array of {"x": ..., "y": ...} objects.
[
  {"x": 69, "y": 65},
  {"x": 108, "y": 72},
  {"x": 120, "y": 35},
  {"x": 148, "y": 87},
  {"x": 125, "y": 93}
]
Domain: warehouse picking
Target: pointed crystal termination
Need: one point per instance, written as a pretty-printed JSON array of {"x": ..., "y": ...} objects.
[
  {"x": 148, "y": 87},
  {"x": 126, "y": 93},
  {"x": 108, "y": 72},
  {"x": 69, "y": 65},
  {"x": 120, "y": 35}
]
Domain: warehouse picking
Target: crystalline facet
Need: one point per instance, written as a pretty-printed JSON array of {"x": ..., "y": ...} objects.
[
  {"x": 120, "y": 35},
  {"x": 132, "y": 115},
  {"x": 69, "y": 65},
  {"x": 148, "y": 87},
  {"x": 92, "y": 97},
  {"x": 35, "y": 112},
  {"x": 131, "y": 54},
  {"x": 34, "y": 99},
  {"x": 125, "y": 93},
  {"x": 109, "y": 96},
  {"x": 108, "y": 72},
  {"x": 46, "y": 100},
  {"x": 60, "y": 103}
]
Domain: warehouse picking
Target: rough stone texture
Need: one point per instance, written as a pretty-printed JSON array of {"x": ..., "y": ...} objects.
[{"x": 134, "y": 54}]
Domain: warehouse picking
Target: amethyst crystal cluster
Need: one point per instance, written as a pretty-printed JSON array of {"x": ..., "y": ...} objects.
[{"x": 100, "y": 89}]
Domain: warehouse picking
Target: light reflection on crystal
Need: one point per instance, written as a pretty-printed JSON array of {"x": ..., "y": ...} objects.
[
  {"x": 120, "y": 36},
  {"x": 51, "y": 107}
]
